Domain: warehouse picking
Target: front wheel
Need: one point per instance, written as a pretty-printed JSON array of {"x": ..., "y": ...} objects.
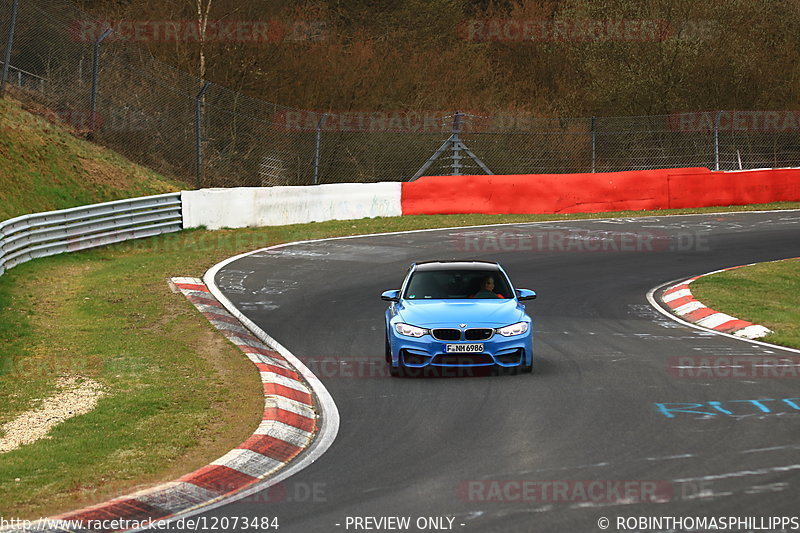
[
  {"x": 523, "y": 368},
  {"x": 395, "y": 371},
  {"x": 527, "y": 368}
]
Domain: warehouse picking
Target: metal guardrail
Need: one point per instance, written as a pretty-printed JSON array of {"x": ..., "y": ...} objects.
[{"x": 69, "y": 230}]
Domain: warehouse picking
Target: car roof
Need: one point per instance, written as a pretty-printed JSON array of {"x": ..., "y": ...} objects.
[{"x": 457, "y": 265}]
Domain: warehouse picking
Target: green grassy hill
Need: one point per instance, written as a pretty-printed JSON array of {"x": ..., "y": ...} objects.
[{"x": 45, "y": 166}]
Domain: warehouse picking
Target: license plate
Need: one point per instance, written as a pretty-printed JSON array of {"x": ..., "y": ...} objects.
[{"x": 464, "y": 348}]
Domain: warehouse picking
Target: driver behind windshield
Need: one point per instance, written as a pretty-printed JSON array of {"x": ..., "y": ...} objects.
[{"x": 487, "y": 289}]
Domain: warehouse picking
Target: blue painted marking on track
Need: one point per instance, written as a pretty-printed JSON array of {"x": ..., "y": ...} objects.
[
  {"x": 667, "y": 411},
  {"x": 718, "y": 407},
  {"x": 730, "y": 407},
  {"x": 791, "y": 402}
]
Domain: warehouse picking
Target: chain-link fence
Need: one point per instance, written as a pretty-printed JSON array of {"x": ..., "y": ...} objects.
[{"x": 207, "y": 135}]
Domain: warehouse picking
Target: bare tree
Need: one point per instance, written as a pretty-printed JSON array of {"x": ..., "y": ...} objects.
[{"x": 203, "y": 10}]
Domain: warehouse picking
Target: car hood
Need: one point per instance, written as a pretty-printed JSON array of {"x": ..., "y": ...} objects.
[{"x": 450, "y": 313}]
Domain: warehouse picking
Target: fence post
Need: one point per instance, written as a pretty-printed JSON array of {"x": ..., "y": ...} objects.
[
  {"x": 594, "y": 145},
  {"x": 9, "y": 42},
  {"x": 95, "y": 77},
  {"x": 716, "y": 140},
  {"x": 198, "y": 135},
  {"x": 456, "y": 166},
  {"x": 317, "y": 148}
]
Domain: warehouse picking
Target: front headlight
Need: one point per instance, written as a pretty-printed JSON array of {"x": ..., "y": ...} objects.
[
  {"x": 514, "y": 329},
  {"x": 408, "y": 330}
]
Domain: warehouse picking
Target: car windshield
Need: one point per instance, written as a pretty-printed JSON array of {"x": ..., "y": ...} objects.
[{"x": 457, "y": 284}]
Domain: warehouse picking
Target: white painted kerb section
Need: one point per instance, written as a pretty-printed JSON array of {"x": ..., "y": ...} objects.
[{"x": 278, "y": 206}]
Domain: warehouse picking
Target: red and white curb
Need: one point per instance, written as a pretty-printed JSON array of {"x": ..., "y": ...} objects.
[
  {"x": 288, "y": 427},
  {"x": 679, "y": 299}
]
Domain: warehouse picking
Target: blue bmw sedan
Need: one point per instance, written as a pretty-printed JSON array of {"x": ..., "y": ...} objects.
[{"x": 458, "y": 314}]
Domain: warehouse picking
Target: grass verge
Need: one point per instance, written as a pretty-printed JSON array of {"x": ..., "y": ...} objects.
[
  {"x": 179, "y": 395},
  {"x": 44, "y": 166},
  {"x": 766, "y": 294}
]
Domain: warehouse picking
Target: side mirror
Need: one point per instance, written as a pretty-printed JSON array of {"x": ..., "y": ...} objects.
[
  {"x": 391, "y": 296},
  {"x": 525, "y": 294}
]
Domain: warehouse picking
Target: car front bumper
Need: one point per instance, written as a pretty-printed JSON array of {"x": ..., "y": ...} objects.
[{"x": 420, "y": 352}]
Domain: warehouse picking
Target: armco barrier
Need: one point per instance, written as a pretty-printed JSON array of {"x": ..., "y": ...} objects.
[
  {"x": 277, "y": 206},
  {"x": 592, "y": 193},
  {"x": 41, "y": 234}
]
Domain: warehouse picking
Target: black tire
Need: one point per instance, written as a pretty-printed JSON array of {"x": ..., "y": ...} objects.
[
  {"x": 397, "y": 371},
  {"x": 527, "y": 369},
  {"x": 522, "y": 369}
]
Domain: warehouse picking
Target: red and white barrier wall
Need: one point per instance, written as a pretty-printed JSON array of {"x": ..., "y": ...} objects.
[
  {"x": 278, "y": 206},
  {"x": 524, "y": 193},
  {"x": 592, "y": 193}
]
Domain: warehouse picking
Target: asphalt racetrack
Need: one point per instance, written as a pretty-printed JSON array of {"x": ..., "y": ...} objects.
[{"x": 595, "y": 432}]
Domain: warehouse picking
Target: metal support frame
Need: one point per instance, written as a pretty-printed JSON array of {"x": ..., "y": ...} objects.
[
  {"x": 9, "y": 43},
  {"x": 455, "y": 144},
  {"x": 95, "y": 81},
  {"x": 198, "y": 135}
]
